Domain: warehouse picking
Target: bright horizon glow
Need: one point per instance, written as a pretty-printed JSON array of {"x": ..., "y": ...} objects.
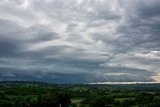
[{"x": 125, "y": 83}]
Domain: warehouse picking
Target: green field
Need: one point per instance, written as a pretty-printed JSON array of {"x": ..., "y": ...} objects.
[
  {"x": 122, "y": 99},
  {"x": 38, "y": 94},
  {"x": 76, "y": 100}
]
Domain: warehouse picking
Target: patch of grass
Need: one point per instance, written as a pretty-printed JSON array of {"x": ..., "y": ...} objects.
[
  {"x": 76, "y": 100},
  {"x": 79, "y": 89},
  {"x": 121, "y": 99}
]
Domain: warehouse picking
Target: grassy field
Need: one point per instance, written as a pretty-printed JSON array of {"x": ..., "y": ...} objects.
[
  {"x": 76, "y": 100},
  {"x": 121, "y": 99}
]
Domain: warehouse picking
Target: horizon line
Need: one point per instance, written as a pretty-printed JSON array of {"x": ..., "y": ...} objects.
[{"x": 125, "y": 83}]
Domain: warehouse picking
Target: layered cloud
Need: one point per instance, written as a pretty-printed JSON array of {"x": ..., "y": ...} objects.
[{"x": 80, "y": 41}]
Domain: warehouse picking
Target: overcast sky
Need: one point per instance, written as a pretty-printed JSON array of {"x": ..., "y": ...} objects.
[{"x": 80, "y": 41}]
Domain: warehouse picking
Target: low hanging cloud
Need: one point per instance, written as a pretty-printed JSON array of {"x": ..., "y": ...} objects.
[{"x": 80, "y": 41}]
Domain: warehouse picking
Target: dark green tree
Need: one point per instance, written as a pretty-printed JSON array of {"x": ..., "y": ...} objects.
[
  {"x": 102, "y": 101},
  {"x": 127, "y": 103},
  {"x": 98, "y": 102},
  {"x": 144, "y": 98},
  {"x": 63, "y": 99}
]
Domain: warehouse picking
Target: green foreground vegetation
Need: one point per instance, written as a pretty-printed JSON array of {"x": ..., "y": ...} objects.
[{"x": 39, "y": 94}]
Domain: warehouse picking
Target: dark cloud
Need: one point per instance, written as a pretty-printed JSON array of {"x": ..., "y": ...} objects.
[
  {"x": 148, "y": 10},
  {"x": 7, "y": 48},
  {"x": 80, "y": 41}
]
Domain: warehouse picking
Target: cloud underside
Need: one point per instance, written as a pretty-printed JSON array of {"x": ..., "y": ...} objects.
[{"x": 80, "y": 41}]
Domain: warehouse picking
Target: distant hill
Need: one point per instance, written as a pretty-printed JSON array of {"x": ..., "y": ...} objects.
[{"x": 138, "y": 87}]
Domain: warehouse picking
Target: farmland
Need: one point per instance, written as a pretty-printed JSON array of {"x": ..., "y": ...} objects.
[{"x": 40, "y": 94}]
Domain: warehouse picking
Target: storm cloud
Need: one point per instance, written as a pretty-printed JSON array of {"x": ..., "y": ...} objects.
[{"x": 80, "y": 41}]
